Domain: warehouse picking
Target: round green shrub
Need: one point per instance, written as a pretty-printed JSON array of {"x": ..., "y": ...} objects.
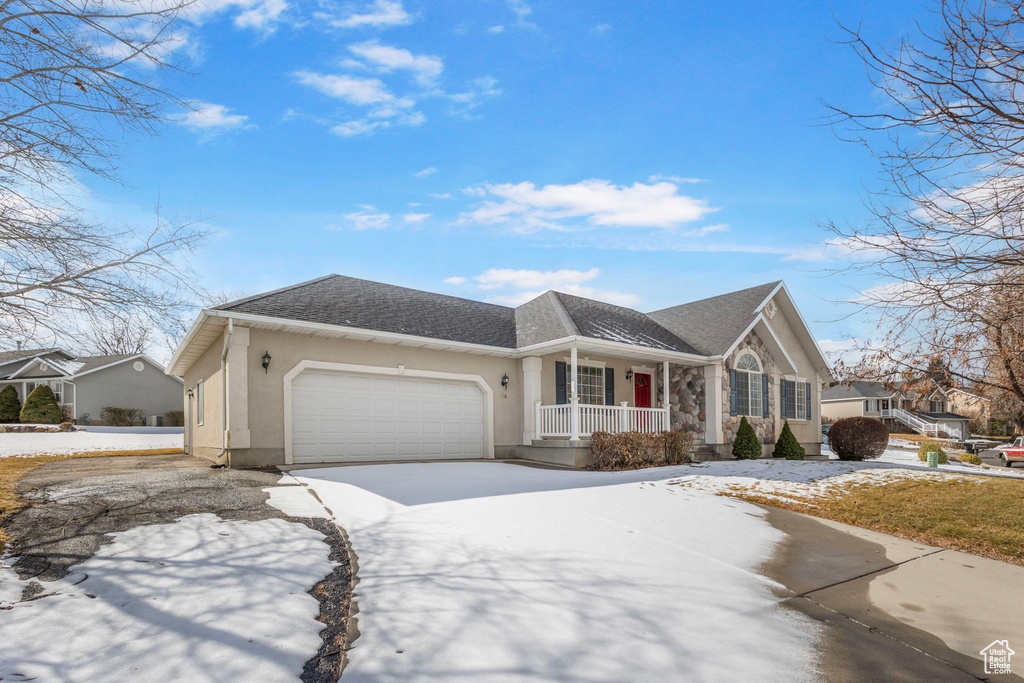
[
  {"x": 970, "y": 458},
  {"x": 746, "y": 446},
  {"x": 787, "y": 446},
  {"x": 10, "y": 405},
  {"x": 41, "y": 407},
  {"x": 929, "y": 447}
]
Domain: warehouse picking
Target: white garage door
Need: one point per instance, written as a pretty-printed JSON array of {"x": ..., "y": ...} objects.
[{"x": 340, "y": 416}]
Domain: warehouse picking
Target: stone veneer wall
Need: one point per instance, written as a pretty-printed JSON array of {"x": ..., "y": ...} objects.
[
  {"x": 764, "y": 427},
  {"x": 686, "y": 400}
]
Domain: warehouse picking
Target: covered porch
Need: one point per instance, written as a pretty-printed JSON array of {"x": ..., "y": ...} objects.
[{"x": 573, "y": 392}]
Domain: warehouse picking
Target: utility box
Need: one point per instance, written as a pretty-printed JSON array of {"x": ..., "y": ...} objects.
[
  {"x": 155, "y": 421},
  {"x": 933, "y": 459}
]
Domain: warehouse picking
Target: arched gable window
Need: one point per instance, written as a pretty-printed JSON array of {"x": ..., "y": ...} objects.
[{"x": 748, "y": 386}]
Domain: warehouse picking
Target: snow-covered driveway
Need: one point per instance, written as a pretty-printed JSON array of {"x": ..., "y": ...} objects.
[{"x": 489, "y": 571}]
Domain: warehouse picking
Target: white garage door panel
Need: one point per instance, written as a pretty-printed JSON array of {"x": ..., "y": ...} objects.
[{"x": 339, "y": 416}]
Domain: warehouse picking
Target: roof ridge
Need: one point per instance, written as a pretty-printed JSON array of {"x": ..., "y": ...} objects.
[
  {"x": 262, "y": 295},
  {"x": 717, "y": 296},
  {"x": 563, "y": 314}
]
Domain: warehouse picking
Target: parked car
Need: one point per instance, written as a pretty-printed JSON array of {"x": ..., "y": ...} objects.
[
  {"x": 1012, "y": 453},
  {"x": 824, "y": 429}
]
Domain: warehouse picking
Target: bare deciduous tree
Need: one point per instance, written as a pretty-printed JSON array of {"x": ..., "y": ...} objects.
[
  {"x": 113, "y": 335},
  {"x": 77, "y": 77},
  {"x": 946, "y": 238}
]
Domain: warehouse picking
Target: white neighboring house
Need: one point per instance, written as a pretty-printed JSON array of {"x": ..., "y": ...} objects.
[
  {"x": 85, "y": 385},
  {"x": 925, "y": 412}
]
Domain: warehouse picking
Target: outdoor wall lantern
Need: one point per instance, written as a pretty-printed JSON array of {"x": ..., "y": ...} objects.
[
  {"x": 629, "y": 375},
  {"x": 189, "y": 393},
  {"x": 266, "y": 361},
  {"x": 504, "y": 381}
]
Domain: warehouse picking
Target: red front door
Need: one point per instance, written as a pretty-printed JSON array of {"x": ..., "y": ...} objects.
[{"x": 641, "y": 390}]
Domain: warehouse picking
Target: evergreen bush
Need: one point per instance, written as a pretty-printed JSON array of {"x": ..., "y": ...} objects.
[
  {"x": 10, "y": 405},
  {"x": 746, "y": 446},
  {"x": 787, "y": 446},
  {"x": 41, "y": 407},
  {"x": 932, "y": 447}
]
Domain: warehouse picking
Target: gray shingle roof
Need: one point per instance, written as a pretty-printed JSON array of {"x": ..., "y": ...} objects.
[
  {"x": 712, "y": 325},
  {"x": 857, "y": 389},
  {"x": 351, "y": 302},
  {"x": 707, "y": 327},
  {"x": 93, "y": 362},
  {"x": 8, "y": 356},
  {"x": 600, "y": 320}
]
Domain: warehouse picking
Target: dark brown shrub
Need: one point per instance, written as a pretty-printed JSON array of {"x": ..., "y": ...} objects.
[
  {"x": 858, "y": 438},
  {"x": 174, "y": 418},
  {"x": 635, "y": 450},
  {"x": 123, "y": 417}
]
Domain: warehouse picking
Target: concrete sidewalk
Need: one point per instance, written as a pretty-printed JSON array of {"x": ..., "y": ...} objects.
[{"x": 896, "y": 610}]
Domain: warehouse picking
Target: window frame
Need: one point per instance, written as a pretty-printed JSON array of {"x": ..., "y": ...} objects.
[
  {"x": 58, "y": 391},
  {"x": 931, "y": 405},
  {"x": 595, "y": 372},
  {"x": 752, "y": 398}
]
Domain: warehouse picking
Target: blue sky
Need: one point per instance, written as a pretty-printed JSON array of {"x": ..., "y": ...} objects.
[{"x": 646, "y": 153}]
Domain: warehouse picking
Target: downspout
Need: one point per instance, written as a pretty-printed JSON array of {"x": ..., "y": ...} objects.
[{"x": 224, "y": 393}]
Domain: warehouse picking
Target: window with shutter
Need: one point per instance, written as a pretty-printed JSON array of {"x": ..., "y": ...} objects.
[{"x": 748, "y": 386}]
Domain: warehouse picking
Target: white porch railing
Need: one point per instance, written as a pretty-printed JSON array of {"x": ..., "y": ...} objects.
[
  {"x": 574, "y": 420},
  {"x": 920, "y": 424}
]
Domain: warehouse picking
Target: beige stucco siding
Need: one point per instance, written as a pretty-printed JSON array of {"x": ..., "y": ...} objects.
[
  {"x": 266, "y": 389},
  {"x": 836, "y": 410},
  {"x": 205, "y": 439},
  {"x": 806, "y": 431}
]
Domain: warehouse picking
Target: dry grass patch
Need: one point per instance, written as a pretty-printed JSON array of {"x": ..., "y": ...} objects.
[
  {"x": 979, "y": 515},
  {"x": 14, "y": 468}
]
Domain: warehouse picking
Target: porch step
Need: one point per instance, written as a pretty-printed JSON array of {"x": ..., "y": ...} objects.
[{"x": 560, "y": 443}]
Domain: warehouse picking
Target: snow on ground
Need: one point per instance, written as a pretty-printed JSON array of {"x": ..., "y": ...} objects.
[
  {"x": 201, "y": 599},
  {"x": 492, "y": 571},
  {"x": 905, "y": 458},
  {"x": 45, "y": 443}
]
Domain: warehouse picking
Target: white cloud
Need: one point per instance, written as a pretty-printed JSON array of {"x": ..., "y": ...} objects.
[
  {"x": 590, "y": 203},
  {"x": 496, "y": 29},
  {"x": 212, "y": 119},
  {"x": 456, "y": 280},
  {"x": 442, "y": 195},
  {"x": 377, "y": 14},
  {"x": 479, "y": 89},
  {"x": 425, "y": 68},
  {"x": 415, "y": 217},
  {"x": 263, "y": 16},
  {"x": 533, "y": 279},
  {"x": 601, "y": 29},
  {"x": 349, "y": 129},
  {"x": 368, "y": 219},
  {"x": 429, "y": 170},
  {"x": 358, "y": 91},
  {"x": 522, "y": 11},
  {"x": 866, "y": 246},
  {"x": 678, "y": 180}
]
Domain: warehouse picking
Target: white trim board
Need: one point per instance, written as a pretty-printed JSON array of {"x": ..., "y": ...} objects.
[{"x": 382, "y": 370}]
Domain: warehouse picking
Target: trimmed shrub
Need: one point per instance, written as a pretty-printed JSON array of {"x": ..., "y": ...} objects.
[
  {"x": 635, "y": 450},
  {"x": 858, "y": 438},
  {"x": 932, "y": 447},
  {"x": 175, "y": 418},
  {"x": 746, "y": 446},
  {"x": 969, "y": 458},
  {"x": 123, "y": 417},
  {"x": 787, "y": 446},
  {"x": 10, "y": 405},
  {"x": 41, "y": 407}
]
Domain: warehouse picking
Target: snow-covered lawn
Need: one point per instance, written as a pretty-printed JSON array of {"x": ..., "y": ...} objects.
[
  {"x": 905, "y": 458},
  {"x": 489, "y": 571},
  {"x": 128, "y": 439},
  {"x": 201, "y": 599}
]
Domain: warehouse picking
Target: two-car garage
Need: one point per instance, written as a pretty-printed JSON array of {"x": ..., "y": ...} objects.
[{"x": 373, "y": 414}]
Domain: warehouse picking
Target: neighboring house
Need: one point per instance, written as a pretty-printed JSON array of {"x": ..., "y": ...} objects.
[
  {"x": 85, "y": 385},
  {"x": 928, "y": 412},
  {"x": 339, "y": 369},
  {"x": 978, "y": 408}
]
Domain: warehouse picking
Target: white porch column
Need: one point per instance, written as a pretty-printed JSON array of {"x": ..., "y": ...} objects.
[
  {"x": 713, "y": 433},
  {"x": 574, "y": 399},
  {"x": 238, "y": 389},
  {"x": 531, "y": 396},
  {"x": 664, "y": 396}
]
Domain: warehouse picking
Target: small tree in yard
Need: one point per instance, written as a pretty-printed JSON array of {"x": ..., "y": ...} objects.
[
  {"x": 746, "y": 446},
  {"x": 787, "y": 446},
  {"x": 41, "y": 407},
  {"x": 858, "y": 438},
  {"x": 10, "y": 405}
]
